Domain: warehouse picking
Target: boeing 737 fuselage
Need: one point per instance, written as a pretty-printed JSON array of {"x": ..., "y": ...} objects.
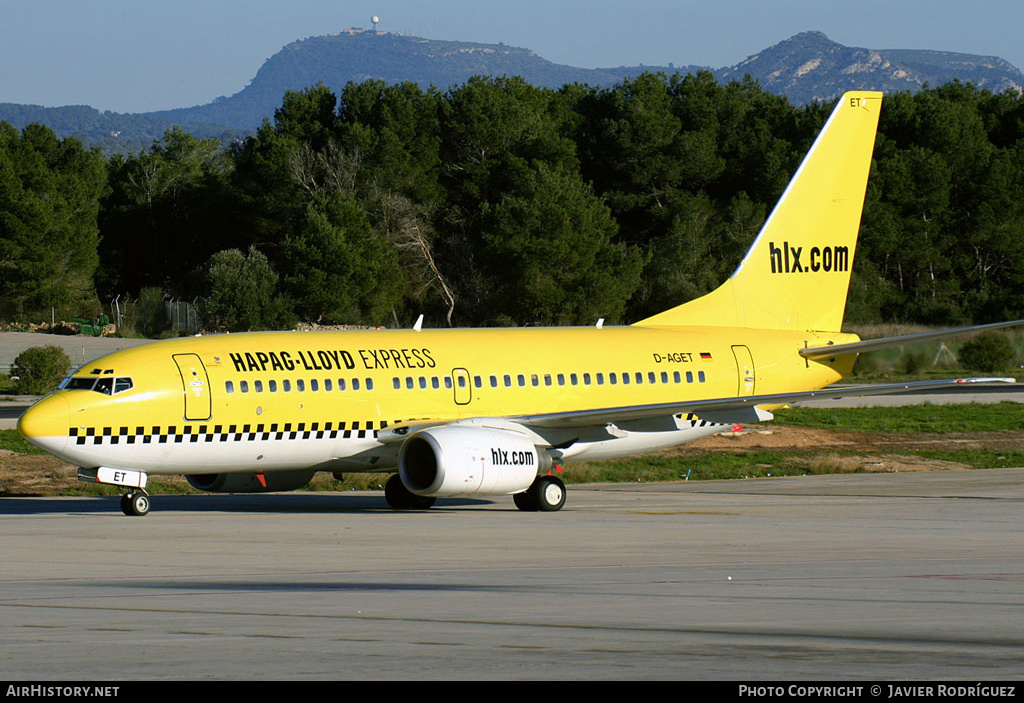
[{"x": 483, "y": 412}]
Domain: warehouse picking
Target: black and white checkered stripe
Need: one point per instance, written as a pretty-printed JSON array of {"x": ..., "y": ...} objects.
[
  {"x": 696, "y": 421},
  {"x": 191, "y": 434}
]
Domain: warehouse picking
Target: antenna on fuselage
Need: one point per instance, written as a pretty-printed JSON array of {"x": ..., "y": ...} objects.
[{"x": 419, "y": 323}]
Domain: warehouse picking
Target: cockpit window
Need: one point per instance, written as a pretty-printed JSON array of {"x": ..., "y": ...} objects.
[
  {"x": 106, "y": 385},
  {"x": 80, "y": 384}
]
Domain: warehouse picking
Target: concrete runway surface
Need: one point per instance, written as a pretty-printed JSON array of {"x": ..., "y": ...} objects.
[{"x": 868, "y": 576}]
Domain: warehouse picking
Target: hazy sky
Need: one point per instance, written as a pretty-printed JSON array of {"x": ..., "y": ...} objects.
[{"x": 142, "y": 55}]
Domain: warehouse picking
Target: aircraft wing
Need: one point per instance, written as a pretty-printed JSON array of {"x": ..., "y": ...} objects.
[
  {"x": 734, "y": 409},
  {"x": 720, "y": 410}
]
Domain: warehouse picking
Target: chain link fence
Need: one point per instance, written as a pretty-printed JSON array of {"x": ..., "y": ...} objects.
[{"x": 154, "y": 318}]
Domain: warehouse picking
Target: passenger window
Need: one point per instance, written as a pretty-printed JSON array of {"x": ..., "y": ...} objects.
[
  {"x": 409, "y": 382},
  {"x": 639, "y": 378},
  {"x": 369, "y": 384},
  {"x": 600, "y": 379},
  {"x": 257, "y": 386},
  {"x": 534, "y": 381},
  {"x": 701, "y": 377},
  {"x": 423, "y": 381},
  {"x": 650, "y": 377},
  {"x": 341, "y": 384},
  {"x": 494, "y": 381},
  {"x": 675, "y": 376},
  {"x": 435, "y": 383},
  {"x": 561, "y": 379},
  {"x": 243, "y": 386},
  {"x": 547, "y": 379},
  {"x": 612, "y": 378},
  {"x": 355, "y": 384},
  {"x": 625, "y": 378},
  {"x": 508, "y": 381},
  {"x": 689, "y": 376},
  {"x": 314, "y": 385},
  {"x": 521, "y": 379},
  {"x": 327, "y": 385},
  {"x": 478, "y": 382},
  {"x": 273, "y": 386},
  {"x": 586, "y": 379},
  {"x": 397, "y": 383},
  {"x": 664, "y": 376},
  {"x": 573, "y": 379},
  {"x": 300, "y": 385},
  {"x": 229, "y": 386}
]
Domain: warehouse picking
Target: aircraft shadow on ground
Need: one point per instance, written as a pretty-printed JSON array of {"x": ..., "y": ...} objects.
[{"x": 292, "y": 503}]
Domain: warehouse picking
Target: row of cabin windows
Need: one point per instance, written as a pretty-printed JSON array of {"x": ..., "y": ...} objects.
[
  {"x": 300, "y": 385},
  {"x": 507, "y": 381},
  {"x": 522, "y": 380}
]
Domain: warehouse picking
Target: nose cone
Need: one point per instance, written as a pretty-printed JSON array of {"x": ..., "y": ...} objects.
[{"x": 45, "y": 424}]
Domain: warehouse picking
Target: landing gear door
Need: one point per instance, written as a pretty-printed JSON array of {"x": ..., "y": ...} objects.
[
  {"x": 195, "y": 386},
  {"x": 744, "y": 370}
]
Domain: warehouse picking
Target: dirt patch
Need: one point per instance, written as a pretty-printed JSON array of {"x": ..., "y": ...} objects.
[
  {"x": 836, "y": 451},
  {"x": 873, "y": 463},
  {"x": 34, "y": 474},
  {"x": 45, "y": 475},
  {"x": 821, "y": 447},
  {"x": 786, "y": 438}
]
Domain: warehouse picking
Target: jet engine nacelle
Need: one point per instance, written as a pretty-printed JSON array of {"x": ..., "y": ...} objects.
[
  {"x": 249, "y": 483},
  {"x": 459, "y": 461}
]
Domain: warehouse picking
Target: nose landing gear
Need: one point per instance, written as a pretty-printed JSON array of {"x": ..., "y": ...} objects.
[{"x": 136, "y": 501}]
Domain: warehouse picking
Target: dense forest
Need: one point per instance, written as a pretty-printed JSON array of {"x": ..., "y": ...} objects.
[{"x": 501, "y": 203}]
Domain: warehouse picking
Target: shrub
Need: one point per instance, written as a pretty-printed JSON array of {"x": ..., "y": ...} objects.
[
  {"x": 40, "y": 369},
  {"x": 151, "y": 313},
  {"x": 989, "y": 351},
  {"x": 915, "y": 362},
  {"x": 243, "y": 293}
]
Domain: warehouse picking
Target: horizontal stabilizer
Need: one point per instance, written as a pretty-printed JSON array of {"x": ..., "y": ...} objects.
[{"x": 889, "y": 342}]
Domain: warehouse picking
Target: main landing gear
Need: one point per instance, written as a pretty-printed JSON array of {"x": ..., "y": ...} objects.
[
  {"x": 547, "y": 494},
  {"x": 135, "y": 503},
  {"x": 401, "y": 498}
]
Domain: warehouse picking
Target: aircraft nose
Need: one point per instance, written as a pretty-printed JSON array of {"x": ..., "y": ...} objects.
[{"x": 45, "y": 424}]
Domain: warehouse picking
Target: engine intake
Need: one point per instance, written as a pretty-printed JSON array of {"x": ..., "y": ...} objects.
[{"x": 461, "y": 461}]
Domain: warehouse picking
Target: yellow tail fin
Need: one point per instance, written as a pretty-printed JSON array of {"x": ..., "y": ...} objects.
[{"x": 797, "y": 272}]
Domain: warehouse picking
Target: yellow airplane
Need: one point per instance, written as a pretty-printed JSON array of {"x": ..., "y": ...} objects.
[{"x": 487, "y": 412}]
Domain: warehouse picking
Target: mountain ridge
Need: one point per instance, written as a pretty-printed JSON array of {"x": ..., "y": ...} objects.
[
  {"x": 809, "y": 66},
  {"x": 805, "y": 67}
]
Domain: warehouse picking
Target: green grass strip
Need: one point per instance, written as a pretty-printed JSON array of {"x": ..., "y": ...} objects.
[
  {"x": 14, "y": 442},
  {"x": 969, "y": 417}
]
